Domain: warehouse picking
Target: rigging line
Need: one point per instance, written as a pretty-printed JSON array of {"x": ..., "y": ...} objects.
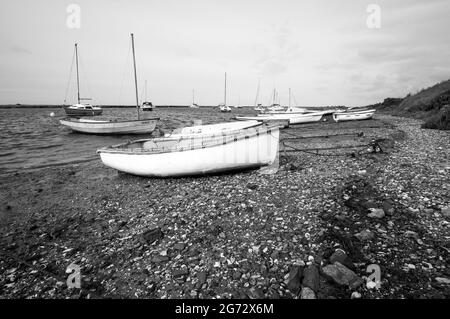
[
  {"x": 295, "y": 100},
  {"x": 294, "y": 149},
  {"x": 123, "y": 71},
  {"x": 142, "y": 97},
  {"x": 70, "y": 75},
  {"x": 85, "y": 79},
  {"x": 257, "y": 92}
]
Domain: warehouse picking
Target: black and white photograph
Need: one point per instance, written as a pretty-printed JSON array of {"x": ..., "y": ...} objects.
[{"x": 237, "y": 152}]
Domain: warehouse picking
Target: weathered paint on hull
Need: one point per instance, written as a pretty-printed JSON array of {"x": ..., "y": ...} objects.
[
  {"x": 124, "y": 127},
  {"x": 255, "y": 151}
]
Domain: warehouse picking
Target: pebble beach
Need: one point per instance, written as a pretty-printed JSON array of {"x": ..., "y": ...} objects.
[{"x": 310, "y": 230}]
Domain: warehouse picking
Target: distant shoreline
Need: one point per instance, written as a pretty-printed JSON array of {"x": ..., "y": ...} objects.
[{"x": 42, "y": 106}]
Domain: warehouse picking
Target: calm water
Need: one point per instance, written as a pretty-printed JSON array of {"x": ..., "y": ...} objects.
[{"x": 30, "y": 138}]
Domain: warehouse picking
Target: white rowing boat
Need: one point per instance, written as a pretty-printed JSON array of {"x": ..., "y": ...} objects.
[
  {"x": 353, "y": 115},
  {"x": 300, "y": 110},
  {"x": 294, "y": 118},
  {"x": 217, "y": 128},
  {"x": 195, "y": 155},
  {"x": 145, "y": 126}
]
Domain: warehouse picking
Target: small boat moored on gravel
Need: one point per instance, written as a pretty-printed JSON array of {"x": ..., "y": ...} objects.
[
  {"x": 196, "y": 154},
  {"x": 350, "y": 115},
  {"x": 293, "y": 118},
  {"x": 213, "y": 128}
]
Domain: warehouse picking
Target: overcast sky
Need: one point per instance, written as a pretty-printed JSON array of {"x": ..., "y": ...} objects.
[{"x": 323, "y": 50}]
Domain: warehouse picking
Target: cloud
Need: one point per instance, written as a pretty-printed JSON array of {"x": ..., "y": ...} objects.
[
  {"x": 16, "y": 49},
  {"x": 280, "y": 51}
]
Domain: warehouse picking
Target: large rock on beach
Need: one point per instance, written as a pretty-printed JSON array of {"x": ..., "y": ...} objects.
[
  {"x": 307, "y": 293},
  {"x": 342, "y": 275},
  {"x": 340, "y": 256},
  {"x": 376, "y": 213},
  {"x": 364, "y": 235},
  {"x": 152, "y": 235},
  {"x": 311, "y": 277},
  {"x": 446, "y": 211},
  {"x": 388, "y": 207},
  {"x": 294, "y": 279}
]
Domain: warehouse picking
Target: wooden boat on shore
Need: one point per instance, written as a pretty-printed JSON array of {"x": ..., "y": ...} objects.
[
  {"x": 216, "y": 128},
  {"x": 349, "y": 115},
  {"x": 196, "y": 154},
  {"x": 292, "y": 118},
  {"x": 145, "y": 126}
]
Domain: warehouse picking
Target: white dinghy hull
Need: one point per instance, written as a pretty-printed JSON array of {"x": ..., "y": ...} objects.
[
  {"x": 145, "y": 126},
  {"x": 292, "y": 118},
  {"x": 214, "y": 128},
  {"x": 353, "y": 116},
  {"x": 245, "y": 149}
]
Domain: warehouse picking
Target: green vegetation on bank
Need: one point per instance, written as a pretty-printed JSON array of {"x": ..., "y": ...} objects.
[{"x": 432, "y": 105}]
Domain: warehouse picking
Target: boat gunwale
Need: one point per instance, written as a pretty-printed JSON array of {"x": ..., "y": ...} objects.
[
  {"x": 356, "y": 112},
  {"x": 108, "y": 122},
  {"x": 179, "y": 132},
  {"x": 236, "y": 135}
]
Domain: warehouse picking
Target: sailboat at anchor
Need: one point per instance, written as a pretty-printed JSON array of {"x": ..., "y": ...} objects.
[
  {"x": 146, "y": 106},
  {"x": 81, "y": 109},
  {"x": 223, "y": 107},
  {"x": 112, "y": 127}
]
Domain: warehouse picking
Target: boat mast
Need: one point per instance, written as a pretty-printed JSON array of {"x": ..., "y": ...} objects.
[
  {"x": 289, "y": 98},
  {"x": 78, "y": 78},
  {"x": 135, "y": 77},
  {"x": 257, "y": 93},
  {"x": 145, "y": 98},
  {"x": 193, "y": 97},
  {"x": 225, "y": 99}
]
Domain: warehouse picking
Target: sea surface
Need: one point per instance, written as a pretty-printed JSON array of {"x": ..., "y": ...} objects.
[{"x": 32, "y": 139}]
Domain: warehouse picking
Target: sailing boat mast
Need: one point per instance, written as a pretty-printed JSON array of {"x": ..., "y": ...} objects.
[
  {"x": 289, "y": 98},
  {"x": 193, "y": 97},
  {"x": 145, "y": 95},
  {"x": 78, "y": 78},
  {"x": 257, "y": 93},
  {"x": 135, "y": 77},
  {"x": 225, "y": 99}
]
